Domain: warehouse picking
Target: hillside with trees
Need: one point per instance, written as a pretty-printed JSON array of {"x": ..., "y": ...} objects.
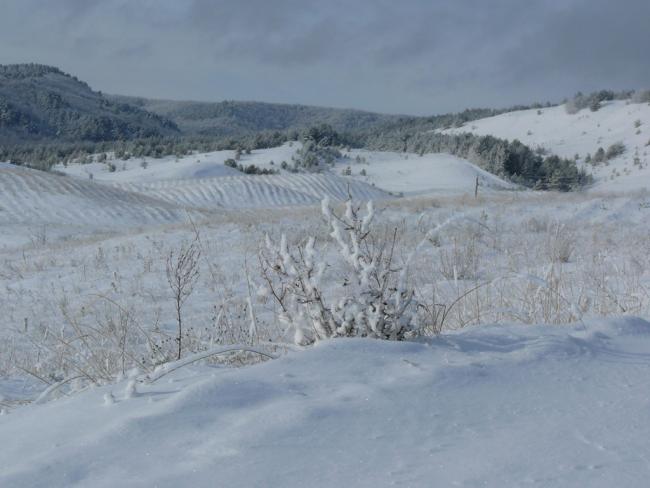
[
  {"x": 42, "y": 103},
  {"x": 47, "y": 116},
  {"x": 232, "y": 118}
]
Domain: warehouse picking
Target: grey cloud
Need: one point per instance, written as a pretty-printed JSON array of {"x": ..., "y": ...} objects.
[{"x": 414, "y": 56}]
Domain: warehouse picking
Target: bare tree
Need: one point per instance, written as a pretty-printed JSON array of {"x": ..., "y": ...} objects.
[{"x": 182, "y": 273}]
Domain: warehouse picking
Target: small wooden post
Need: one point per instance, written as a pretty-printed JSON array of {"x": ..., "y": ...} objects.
[{"x": 476, "y": 188}]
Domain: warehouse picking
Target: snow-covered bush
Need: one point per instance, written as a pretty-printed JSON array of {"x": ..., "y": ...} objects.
[
  {"x": 313, "y": 156},
  {"x": 641, "y": 96},
  {"x": 615, "y": 150},
  {"x": 372, "y": 298},
  {"x": 599, "y": 156}
]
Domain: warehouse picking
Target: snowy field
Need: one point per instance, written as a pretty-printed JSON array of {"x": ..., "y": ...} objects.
[
  {"x": 538, "y": 377},
  {"x": 411, "y": 174},
  {"x": 407, "y": 174},
  {"x": 489, "y": 406},
  {"x": 582, "y": 133}
]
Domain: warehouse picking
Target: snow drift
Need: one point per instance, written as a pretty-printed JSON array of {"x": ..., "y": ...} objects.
[{"x": 489, "y": 406}]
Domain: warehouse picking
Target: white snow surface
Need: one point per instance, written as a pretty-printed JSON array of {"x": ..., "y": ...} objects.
[
  {"x": 36, "y": 197},
  {"x": 411, "y": 174},
  {"x": 203, "y": 165},
  {"x": 33, "y": 202},
  {"x": 507, "y": 405},
  {"x": 581, "y": 133},
  {"x": 489, "y": 406},
  {"x": 163, "y": 192},
  {"x": 405, "y": 173},
  {"x": 258, "y": 191}
]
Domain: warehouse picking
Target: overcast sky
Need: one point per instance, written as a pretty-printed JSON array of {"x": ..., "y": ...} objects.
[{"x": 408, "y": 56}]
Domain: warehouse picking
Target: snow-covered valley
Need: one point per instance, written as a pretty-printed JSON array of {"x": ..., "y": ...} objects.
[{"x": 538, "y": 377}]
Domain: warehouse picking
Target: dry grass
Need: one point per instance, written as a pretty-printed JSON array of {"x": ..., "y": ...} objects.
[{"x": 100, "y": 305}]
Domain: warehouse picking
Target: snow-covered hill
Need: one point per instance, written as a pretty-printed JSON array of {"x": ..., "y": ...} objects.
[
  {"x": 490, "y": 406},
  {"x": 409, "y": 174},
  {"x": 580, "y": 134},
  {"x": 495, "y": 405},
  {"x": 120, "y": 194},
  {"x": 34, "y": 202},
  {"x": 204, "y": 165},
  {"x": 35, "y": 197},
  {"x": 412, "y": 174},
  {"x": 257, "y": 191}
]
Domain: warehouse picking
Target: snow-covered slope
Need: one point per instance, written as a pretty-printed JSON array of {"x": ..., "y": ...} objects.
[
  {"x": 35, "y": 197},
  {"x": 582, "y": 133},
  {"x": 490, "y": 406},
  {"x": 204, "y": 165},
  {"x": 412, "y": 174},
  {"x": 34, "y": 202},
  {"x": 257, "y": 191},
  {"x": 409, "y": 174}
]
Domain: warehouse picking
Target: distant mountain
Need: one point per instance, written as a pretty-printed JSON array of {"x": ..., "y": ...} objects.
[
  {"x": 41, "y": 103},
  {"x": 231, "y": 118}
]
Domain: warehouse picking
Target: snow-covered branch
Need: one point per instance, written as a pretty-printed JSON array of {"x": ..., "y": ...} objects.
[{"x": 377, "y": 303}]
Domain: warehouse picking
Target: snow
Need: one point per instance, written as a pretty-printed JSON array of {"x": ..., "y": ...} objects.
[
  {"x": 36, "y": 206},
  {"x": 259, "y": 191},
  {"x": 581, "y": 133},
  {"x": 201, "y": 165},
  {"x": 410, "y": 174},
  {"x": 489, "y": 406},
  {"x": 403, "y": 173}
]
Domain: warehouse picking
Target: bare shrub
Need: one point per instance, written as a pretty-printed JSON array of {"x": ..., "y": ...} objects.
[
  {"x": 99, "y": 341},
  {"x": 615, "y": 150},
  {"x": 182, "y": 273},
  {"x": 560, "y": 244},
  {"x": 537, "y": 225},
  {"x": 460, "y": 261}
]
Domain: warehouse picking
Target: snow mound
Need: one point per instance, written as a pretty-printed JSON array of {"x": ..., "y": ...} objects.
[{"x": 490, "y": 406}]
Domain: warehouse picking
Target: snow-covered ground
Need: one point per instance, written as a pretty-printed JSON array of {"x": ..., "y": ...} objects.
[
  {"x": 37, "y": 206},
  {"x": 93, "y": 200},
  {"x": 582, "y": 133},
  {"x": 259, "y": 191},
  {"x": 490, "y": 406},
  {"x": 404, "y": 173},
  {"x": 204, "y": 165},
  {"x": 411, "y": 174},
  {"x": 512, "y": 404}
]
